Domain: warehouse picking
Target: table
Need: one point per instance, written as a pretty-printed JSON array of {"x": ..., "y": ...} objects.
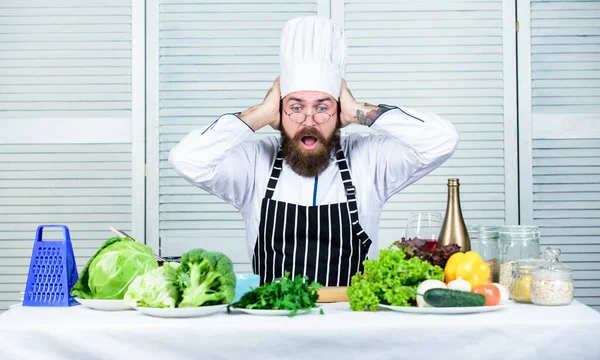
[{"x": 518, "y": 332}]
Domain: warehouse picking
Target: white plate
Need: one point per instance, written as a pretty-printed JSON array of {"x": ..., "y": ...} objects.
[
  {"x": 262, "y": 312},
  {"x": 105, "y": 305},
  {"x": 444, "y": 310},
  {"x": 186, "y": 312}
]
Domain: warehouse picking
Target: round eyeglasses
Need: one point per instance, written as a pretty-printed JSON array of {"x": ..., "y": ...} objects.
[{"x": 300, "y": 117}]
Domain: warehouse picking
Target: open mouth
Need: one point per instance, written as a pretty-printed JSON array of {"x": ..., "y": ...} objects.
[{"x": 309, "y": 142}]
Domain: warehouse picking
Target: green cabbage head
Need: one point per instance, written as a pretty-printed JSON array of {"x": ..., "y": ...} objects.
[
  {"x": 155, "y": 289},
  {"x": 108, "y": 274}
]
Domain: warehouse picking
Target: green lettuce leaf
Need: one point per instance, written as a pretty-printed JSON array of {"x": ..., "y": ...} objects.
[{"x": 391, "y": 279}]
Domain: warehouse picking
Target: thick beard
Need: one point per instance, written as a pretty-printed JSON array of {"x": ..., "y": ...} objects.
[{"x": 309, "y": 163}]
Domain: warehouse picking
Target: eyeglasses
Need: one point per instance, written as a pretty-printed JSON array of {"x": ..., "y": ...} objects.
[{"x": 300, "y": 117}]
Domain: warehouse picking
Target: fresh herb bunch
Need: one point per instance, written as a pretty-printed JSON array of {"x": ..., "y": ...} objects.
[
  {"x": 282, "y": 294},
  {"x": 391, "y": 279}
]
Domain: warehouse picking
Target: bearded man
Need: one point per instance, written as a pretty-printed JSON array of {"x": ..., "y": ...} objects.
[{"x": 311, "y": 200}]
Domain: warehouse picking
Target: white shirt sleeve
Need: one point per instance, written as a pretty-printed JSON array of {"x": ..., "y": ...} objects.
[
  {"x": 217, "y": 159},
  {"x": 411, "y": 144}
]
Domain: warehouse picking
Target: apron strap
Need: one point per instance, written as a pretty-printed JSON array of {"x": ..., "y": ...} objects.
[
  {"x": 348, "y": 186},
  {"x": 351, "y": 196},
  {"x": 274, "y": 175}
]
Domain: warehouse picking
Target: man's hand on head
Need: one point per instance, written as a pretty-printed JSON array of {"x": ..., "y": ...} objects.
[
  {"x": 348, "y": 106},
  {"x": 267, "y": 112},
  {"x": 354, "y": 112}
]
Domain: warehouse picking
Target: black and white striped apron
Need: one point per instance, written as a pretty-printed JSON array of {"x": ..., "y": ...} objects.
[{"x": 324, "y": 242}]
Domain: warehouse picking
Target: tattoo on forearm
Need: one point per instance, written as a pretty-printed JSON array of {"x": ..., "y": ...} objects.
[{"x": 368, "y": 118}]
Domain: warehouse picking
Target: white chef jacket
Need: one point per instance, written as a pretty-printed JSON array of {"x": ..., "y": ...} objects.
[{"x": 220, "y": 159}]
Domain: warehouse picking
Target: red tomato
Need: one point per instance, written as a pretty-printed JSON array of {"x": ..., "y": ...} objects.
[{"x": 491, "y": 293}]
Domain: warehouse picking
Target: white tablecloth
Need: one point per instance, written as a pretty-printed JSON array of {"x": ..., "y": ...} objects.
[{"x": 519, "y": 332}]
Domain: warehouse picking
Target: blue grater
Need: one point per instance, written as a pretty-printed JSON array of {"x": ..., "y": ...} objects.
[{"x": 52, "y": 271}]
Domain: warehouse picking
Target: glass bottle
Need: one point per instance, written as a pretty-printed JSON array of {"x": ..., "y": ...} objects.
[
  {"x": 552, "y": 282},
  {"x": 454, "y": 230}
]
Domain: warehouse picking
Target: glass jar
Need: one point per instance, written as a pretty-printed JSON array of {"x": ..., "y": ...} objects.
[
  {"x": 516, "y": 242},
  {"x": 552, "y": 282},
  {"x": 520, "y": 285},
  {"x": 484, "y": 241}
]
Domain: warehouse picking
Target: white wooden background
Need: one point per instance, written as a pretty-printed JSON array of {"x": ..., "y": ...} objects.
[
  {"x": 92, "y": 93},
  {"x": 559, "y": 128}
]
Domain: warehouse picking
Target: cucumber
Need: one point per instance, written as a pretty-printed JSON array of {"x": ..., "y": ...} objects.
[{"x": 452, "y": 298}]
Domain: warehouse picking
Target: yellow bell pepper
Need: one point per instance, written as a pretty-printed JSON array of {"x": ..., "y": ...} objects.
[{"x": 469, "y": 266}]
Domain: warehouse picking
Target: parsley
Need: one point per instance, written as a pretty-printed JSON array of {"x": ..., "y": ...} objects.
[{"x": 282, "y": 294}]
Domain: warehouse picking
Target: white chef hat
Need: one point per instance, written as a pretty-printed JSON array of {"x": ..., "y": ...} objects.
[{"x": 312, "y": 56}]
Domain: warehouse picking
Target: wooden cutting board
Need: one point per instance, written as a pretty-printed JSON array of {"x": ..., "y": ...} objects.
[{"x": 331, "y": 294}]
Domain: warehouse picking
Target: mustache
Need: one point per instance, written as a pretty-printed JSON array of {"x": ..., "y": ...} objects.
[{"x": 310, "y": 132}]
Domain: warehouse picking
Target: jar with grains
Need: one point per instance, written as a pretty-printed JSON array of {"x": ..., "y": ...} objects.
[
  {"x": 484, "y": 241},
  {"x": 552, "y": 282},
  {"x": 516, "y": 242},
  {"x": 520, "y": 286}
]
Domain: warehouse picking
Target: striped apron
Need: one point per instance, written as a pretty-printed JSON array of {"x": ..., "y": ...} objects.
[{"x": 325, "y": 243}]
